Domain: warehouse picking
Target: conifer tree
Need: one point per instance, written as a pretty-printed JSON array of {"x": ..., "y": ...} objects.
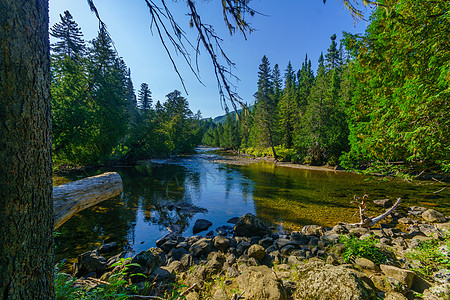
[
  {"x": 70, "y": 38},
  {"x": 145, "y": 97},
  {"x": 332, "y": 57},
  {"x": 264, "y": 115},
  {"x": 288, "y": 109}
]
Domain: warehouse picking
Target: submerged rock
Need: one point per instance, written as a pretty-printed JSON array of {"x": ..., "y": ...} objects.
[
  {"x": 433, "y": 216},
  {"x": 249, "y": 225},
  {"x": 201, "y": 225}
]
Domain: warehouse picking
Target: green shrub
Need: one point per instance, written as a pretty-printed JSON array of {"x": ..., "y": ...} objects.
[
  {"x": 430, "y": 256},
  {"x": 366, "y": 248}
]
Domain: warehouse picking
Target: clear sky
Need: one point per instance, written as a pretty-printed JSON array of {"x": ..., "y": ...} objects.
[{"x": 290, "y": 29}]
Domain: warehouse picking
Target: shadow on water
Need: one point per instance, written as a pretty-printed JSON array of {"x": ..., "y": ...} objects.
[{"x": 168, "y": 194}]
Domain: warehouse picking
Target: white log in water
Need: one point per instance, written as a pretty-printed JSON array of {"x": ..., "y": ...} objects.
[{"x": 72, "y": 197}]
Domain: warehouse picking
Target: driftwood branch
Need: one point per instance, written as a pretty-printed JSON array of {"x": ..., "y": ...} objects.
[
  {"x": 72, "y": 197},
  {"x": 368, "y": 222}
]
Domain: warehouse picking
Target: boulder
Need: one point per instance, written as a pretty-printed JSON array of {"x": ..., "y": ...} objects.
[
  {"x": 201, "y": 225},
  {"x": 148, "y": 261},
  {"x": 222, "y": 243},
  {"x": 437, "y": 292},
  {"x": 248, "y": 225},
  {"x": 89, "y": 262},
  {"x": 430, "y": 231},
  {"x": 366, "y": 264},
  {"x": 433, "y": 216},
  {"x": 257, "y": 251},
  {"x": 394, "y": 296},
  {"x": 404, "y": 276},
  {"x": 325, "y": 282},
  {"x": 233, "y": 220},
  {"x": 416, "y": 210},
  {"x": 261, "y": 283},
  {"x": 312, "y": 230},
  {"x": 386, "y": 203},
  {"x": 201, "y": 247},
  {"x": 285, "y": 242}
]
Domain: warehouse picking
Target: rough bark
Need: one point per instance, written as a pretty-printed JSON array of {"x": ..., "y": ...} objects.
[
  {"x": 72, "y": 197},
  {"x": 26, "y": 207}
]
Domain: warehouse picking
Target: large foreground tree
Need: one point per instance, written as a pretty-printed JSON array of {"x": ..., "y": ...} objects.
[{"x": 26, "y": 208}]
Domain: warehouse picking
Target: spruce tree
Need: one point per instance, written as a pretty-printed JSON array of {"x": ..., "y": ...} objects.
[
  {"x": 70, "y": 37},
  {"x": 264, "y": 115},
  {"x": 145, "y": 97},
  {"x": 288, "y": 109},
  {"x": 332, "y": 57}
]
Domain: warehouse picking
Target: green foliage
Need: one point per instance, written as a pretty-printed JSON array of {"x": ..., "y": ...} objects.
[
  {"x": 366, "y": 247},
  {"x": 430, "y": 256},
  {"x": 399, "y": 110}
]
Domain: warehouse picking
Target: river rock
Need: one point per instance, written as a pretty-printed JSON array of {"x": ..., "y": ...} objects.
[
  {"x": 323, "y": 282},
  {"x": 386, "y": 203},
  {"x": 89, "y": 262},
  {"x": 242, "y": 246},
  {"x": 148, "y": 261},
  {"x": 438, "y": 292},
  {"x": 404, "y": 276},
  {"x": 366, "y": 264},
  {"x": 201, "y": 247},
  {"x": 187, "y": 260},
  {"x": 430, "y": 231},
  {"x": 285, "y": 242},
  {"x": 248, "y": 225},
  {"x": 257, "y": 251},
  {"x": 359, "y": 231},
  {"x": 433, "y": 216},
  {"x": 233, "y": 220},
  {"x": 261, "y": 283},
  {"x": 222, "y": 243},
  {"x": 266, "y": 242},
  {"x": 312, "y": 230},
  {"x": 177, "y": 253},
  {"x": 201, "y": 225},
  {"x": 416, "y": 210},
  {"x": 224, "y": 230}
]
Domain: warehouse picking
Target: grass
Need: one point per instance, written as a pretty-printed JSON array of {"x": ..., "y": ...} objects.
[
  {"x": 430, "y": 257},
  {"x": 366, "y": 248}
]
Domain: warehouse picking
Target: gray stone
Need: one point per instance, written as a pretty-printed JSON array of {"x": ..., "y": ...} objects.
[
  {"x": 416, "y": 210},
  {"x": 89, "y": 262},
  {"x": 331, "y": 238},
  {"x": 257, "y": 251},
  {"x": 161, "y": 274},
  {"x": 201, "y": 247},
  {"x": 442, "y": 276},
  {"x": 294, "y": 260},
  {"x": 222, "y": 243},
  {"x": 433, "y": 216},
  {"x": 338, "y": 229},
  {"x": 286, "y": 250},
  {"x": 430, "y": 231},
  {"x": 266, "y": 242},
  {"x": 322, "y": 282},
  {"x": 284, "y": 242},
  {"x": 249, "y": 225},
  {"x": 177, "y": 253},
  {"x": 232, "y": 272},
  {"x": 187, "y": 260},
  {"x": 438, "y": 292},
  {"x": 261, "y": 283},
  {"x": 312, "y": 230},
  {"x": 241, "y": 247},
  {"x": 405, "y": 221},
  {"x": 394, "y": 296},
  {"x": 271, "y": 249},
  {"x": 148, "y": 261},
  {"x": 366, "y": 264},
  {"x": 201, "y": 225},
  {"x": 386, "y": 203},
  {"x": 359, "y": 231},
  {"x": 404, "y": 276},
  {"x": 175, "y": 267}
]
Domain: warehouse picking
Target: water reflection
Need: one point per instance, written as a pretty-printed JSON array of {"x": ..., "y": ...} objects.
[{"x": 162, "y": 194}]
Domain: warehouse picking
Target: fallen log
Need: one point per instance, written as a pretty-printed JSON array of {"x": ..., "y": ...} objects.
[{"x": 72, "y": 197}]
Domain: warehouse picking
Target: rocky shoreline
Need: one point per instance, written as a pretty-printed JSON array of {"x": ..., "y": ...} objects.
[{"x": 249, "y": 261}]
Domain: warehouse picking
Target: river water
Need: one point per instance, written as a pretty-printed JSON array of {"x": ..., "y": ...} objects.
[{"x": 285, "y": 198}]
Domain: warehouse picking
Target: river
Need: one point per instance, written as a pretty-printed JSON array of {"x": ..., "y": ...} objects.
[{"x": 286, "y": 198}]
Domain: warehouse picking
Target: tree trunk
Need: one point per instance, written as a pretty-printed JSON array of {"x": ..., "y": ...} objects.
[
  {"x": 26, "y": 207},
  {"x": 72, "y": 197}
]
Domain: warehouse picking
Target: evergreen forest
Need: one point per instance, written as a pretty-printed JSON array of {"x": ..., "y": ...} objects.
[
  {"x": 97, "y": 117},
  {"x": 378, "y": 101}
]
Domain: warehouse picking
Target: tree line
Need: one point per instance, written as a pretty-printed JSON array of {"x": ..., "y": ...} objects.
[
  {"x": 96, "y": 114},
  {"x": 378, "y": 101}
]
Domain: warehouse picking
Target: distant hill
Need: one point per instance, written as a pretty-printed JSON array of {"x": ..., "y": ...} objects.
[{"x": 221, "y": 119}]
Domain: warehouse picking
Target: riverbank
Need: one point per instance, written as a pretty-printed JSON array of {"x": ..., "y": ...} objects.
[
  {"x": 251, "y": 261},
  {"x": 239, "y": 159}
]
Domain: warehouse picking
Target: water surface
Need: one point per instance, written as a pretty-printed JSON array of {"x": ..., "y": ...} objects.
[{"x": 286, "y": 198}]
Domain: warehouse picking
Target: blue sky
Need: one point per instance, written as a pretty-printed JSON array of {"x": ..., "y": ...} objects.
[{"x": 291, "y": 29}]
